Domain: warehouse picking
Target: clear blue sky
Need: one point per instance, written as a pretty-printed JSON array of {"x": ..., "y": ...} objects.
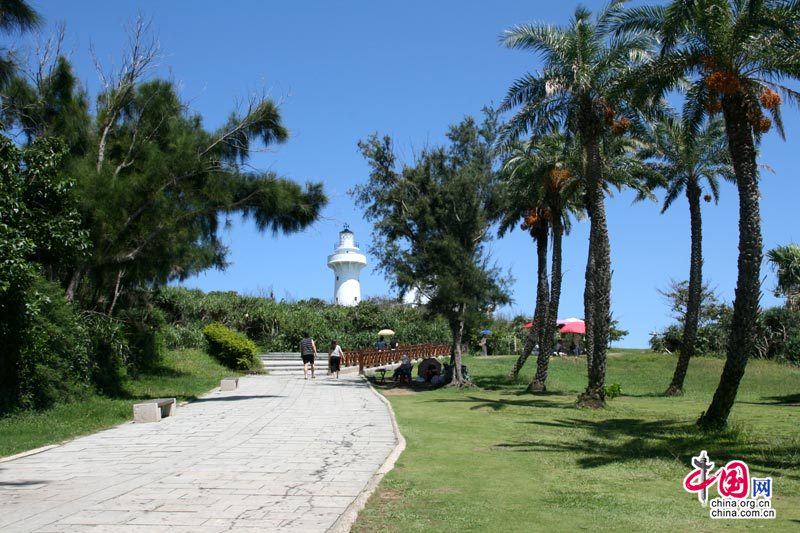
[{"x": 345, "y": 69}]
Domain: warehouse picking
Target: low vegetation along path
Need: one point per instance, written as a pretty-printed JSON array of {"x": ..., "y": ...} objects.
[{"x": 278, "y": 453}]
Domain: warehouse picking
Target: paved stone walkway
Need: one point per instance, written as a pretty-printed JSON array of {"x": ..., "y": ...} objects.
[{"x": 280, "y": 453}]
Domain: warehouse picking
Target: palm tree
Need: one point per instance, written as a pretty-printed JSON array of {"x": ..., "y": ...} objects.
[
  {"x": 542, "y": 189},
  {"x": 786, "y": 261},
  {"x": 15, "y": 15},
  {"x": 684, "y": 159},
  {"x": 577, "y": 91},
  {"x": 736, "y": 54}
]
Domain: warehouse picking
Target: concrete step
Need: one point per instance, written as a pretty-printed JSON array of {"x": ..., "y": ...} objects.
[{"x": 290, "y": 364}]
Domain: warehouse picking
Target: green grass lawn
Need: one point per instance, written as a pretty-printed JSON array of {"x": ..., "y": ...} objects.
[
  {"x": 493, "y": 458},
  {"x": 183, "y": 374}
]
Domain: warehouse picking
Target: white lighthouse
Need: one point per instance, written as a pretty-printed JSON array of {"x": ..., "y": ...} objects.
[{"x": 346, "y": 262}]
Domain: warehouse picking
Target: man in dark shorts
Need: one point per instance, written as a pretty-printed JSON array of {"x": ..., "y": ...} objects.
[{"x": 308, "y": 351}]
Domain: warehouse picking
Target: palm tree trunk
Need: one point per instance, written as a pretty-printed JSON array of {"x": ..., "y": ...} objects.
[
  {"x": 598, "y": 276},
  {"x": 534, "y": 336},
  {"x": 588, "y": 298},
  {"x": 692, "y": 318},
  {"x": 542, "y": 365},
  {"x": 742, "y": 340},
  {"x": 527, "y": 349},
  {"x": 540, "y": 320}
]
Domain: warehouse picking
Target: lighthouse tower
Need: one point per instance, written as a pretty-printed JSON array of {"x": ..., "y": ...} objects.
[{"x": 346, "y": 262}]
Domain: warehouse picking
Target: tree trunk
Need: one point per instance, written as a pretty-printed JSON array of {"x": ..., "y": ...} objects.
[
  {"x": 458, "y": 333},
  {"x": 120, "y": 275},
  {"x": 535, "y": 335},
  {"x": 74, "y": 281},
  {"x": 588, "y": 298},
  {"x": 597, "y": 300},
  {"x": 101, "y": 146},
  {"x": 742, "y": 340},
  {"x": 692, "y": 318},
  {"x": 542, "y": 364},
  {"x": 527, "y": 348}
]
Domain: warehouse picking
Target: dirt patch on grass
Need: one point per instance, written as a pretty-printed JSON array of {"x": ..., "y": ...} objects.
[
  {"x": 389, "y": 495},
  {"x": 398, "y": 392}
]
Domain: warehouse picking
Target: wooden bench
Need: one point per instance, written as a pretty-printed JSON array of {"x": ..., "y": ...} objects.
[
  {"x": 153, "y": 410},
  {"x": 228, "y": 384}
]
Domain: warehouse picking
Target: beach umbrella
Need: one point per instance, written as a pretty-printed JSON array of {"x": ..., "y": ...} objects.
[
  {"x": 486, "y": 332},
  {"x": 574, "y": 327},
  {"x": 386, "y": 333},
  {"x": 568, "y": 320},
  {"x": 422, "y": 368},
  {"x": 529, "y": 325}
]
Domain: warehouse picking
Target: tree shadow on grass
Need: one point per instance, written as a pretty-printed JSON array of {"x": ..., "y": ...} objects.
[
  {"x": 620, "y": 440},
  {"x": 500, "y": 382},
  {"x": 495, "y": 382},
  {"x": 500, "y": 404},
  {"x": 787, "y": 399}
]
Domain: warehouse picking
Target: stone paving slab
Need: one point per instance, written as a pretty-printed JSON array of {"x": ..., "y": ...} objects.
[{"x": 279, "y": 454}]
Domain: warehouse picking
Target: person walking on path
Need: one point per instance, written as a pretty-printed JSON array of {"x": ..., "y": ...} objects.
[
  {"x": 308, "y": 351},
  {"x": 335, "y": 358}
]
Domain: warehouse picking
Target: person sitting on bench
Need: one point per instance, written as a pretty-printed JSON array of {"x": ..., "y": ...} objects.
[{"x": 403, "y": 372}]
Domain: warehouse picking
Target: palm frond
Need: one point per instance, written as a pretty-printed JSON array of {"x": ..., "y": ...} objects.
[
  {"x": 543, "y": 39},
  {"x": 694, "y": 110},
  {"x": 525, "y": 89},
  {"x": 639, "y": 19}
]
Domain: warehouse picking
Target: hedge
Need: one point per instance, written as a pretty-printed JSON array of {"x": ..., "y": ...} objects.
[
  {"x": 230, "y": 347},
  {"x": 279, "y": 326}
]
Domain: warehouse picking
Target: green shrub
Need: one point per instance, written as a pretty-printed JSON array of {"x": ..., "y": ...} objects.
[
  {"x": 142, "y": 325},
  {"x": 180, "y": 337},
  {"x": 231, "y": 348},
  {"x": 613, "y": 390},
  {"x": 48, "y": 353},
  {"x": 110, "y": 352},
  {"x": 781, "y": 329},
  {"x": 777, "y": 332}
]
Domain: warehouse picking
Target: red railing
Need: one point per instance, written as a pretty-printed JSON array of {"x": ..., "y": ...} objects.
[{"x": 370, "y": 357}]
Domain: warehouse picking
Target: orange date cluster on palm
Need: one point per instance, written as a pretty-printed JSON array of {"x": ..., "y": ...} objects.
[
  {"x": 723, "y": 82},
  {"x": 608, "y": 111},
  {"x": 770, "y": 99},
  {"x": 621, "y": 126},
  {"x": 609, "y": 115},
  {"x": 534, "y": 219},
  {"x": 763, "y": 124},
  {"x": 557, "y": 178}
]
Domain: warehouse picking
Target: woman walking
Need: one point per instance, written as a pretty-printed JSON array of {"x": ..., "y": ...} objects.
[
  {"x": 308, "y": 351},
  {"x": 335, "y": 358}
]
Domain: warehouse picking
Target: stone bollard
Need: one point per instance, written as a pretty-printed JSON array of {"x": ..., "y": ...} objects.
[{"x": 229, "y": 384}]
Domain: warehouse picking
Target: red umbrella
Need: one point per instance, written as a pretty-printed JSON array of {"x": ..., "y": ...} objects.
[
  {"x": 529, "y": 325},
  {"x": 574, "y": 327}
]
